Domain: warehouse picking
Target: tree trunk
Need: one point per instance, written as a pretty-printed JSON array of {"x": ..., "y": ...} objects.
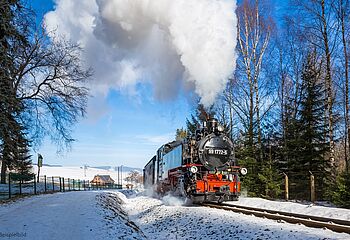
[
  {"x": 231, "y": 113},
  {"x": 328, "y": 83},
  {"x": 251, "y": 118},
  {"x": 3, "y": 172},
  {"x": 258, "y": 118},
  {"x": 347, "y": 128}
]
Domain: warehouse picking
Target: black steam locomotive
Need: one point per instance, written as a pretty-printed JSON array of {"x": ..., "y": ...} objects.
[{"x": 201, "y": 167}]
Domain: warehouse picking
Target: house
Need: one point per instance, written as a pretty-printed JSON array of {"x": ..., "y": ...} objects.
[{"x": 102, "y": 180}]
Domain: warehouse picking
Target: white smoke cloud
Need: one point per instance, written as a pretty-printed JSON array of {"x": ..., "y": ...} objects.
[{"x": 174, "y": 45}]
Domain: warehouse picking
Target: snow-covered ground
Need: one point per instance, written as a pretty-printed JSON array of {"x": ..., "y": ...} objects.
[
  {"x": 165, "y": 219},
  {"x": 73, "y": 172},
  {"x": 78, "y": 172},
  {"x": 112, "y": 215},
  {"x": 303, "y": 208},
  {"x": 72, "y": 215}
]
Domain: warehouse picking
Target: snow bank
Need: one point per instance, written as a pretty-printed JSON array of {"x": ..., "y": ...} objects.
[
  {"x": 310, "y": 209},
  {"x": 160, "y": 221}
]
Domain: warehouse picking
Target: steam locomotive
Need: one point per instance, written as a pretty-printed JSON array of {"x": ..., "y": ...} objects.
[{"x": 201, "y": 167}]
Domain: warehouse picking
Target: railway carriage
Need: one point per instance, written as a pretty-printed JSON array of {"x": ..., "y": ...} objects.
[{"x": 201, "y": 167}]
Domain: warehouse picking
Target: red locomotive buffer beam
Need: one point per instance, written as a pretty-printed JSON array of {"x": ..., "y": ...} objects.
[{"x": 214, "y": 183}]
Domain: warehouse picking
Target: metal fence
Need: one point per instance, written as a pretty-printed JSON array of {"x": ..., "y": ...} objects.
[{"x": 15, "y": 188}]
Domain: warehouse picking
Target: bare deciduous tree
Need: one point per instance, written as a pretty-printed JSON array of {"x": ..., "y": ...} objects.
[
  {"x": 254, "y": 32},
  {"x": 51, "y": 82}
]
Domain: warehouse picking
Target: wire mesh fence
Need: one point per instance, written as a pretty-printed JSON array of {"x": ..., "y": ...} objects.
[
  {"x": 303, "y": 187},
  {"x": 44, "y": 184}
]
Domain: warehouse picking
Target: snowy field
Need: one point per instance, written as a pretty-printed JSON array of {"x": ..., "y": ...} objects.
[
  {"x": 127, "y": 215},
  {"x": 77, "y": 172}
]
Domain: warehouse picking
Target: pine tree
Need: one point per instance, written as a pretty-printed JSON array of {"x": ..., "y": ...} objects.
[
  {"x": 341, "y": 194},
  {"x": 181, "y": 133},
  {"x": 22, "y": 163},
  {"x": 11, "y": 35},
  {"x": 311, "y": 142}
]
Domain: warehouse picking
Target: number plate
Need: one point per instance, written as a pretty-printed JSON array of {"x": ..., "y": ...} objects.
[{"x": 214, "y": 151}]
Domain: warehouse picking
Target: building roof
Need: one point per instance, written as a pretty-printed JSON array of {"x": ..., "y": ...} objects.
[{"x": 105, "y": 178}]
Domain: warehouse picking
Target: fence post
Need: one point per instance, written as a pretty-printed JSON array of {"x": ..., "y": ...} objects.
[
  {"x": 286, "y": 187},
  {"x": 79, "y": 184},
  {"x": 312, "y": 187},
  {"x": 73, "y": 184},
  {"x": 68, "y": 184},
  {"x": 60, "y": 184},
  {"x": 20, "y": 187},
  {"x": 84, "y": 185},
  {"x": 45, "y": 182},
  {"x": 34, "y": 185},
  {"x": 63, "y": 184},
  {"x": 53, "y": 185},
  {"x": 9, "y": 185}
]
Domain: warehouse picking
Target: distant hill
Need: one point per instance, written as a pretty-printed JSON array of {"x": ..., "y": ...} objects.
[
  {"x": 49, "y": 165},
  {"x": 79, "y": 172},
  {"x": 125, "y": 168}
]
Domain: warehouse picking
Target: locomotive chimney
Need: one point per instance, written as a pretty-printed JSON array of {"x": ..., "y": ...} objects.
[{"x": 213, "y": 125}]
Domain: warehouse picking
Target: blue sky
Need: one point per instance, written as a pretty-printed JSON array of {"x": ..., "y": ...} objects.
[
  {"x": 122, "y": 128},
  {"x": 127, "y": 130}
]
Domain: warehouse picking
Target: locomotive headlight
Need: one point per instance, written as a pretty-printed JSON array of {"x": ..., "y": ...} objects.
[
  {"x": 194, "y": 169},
  {"x": 220, "y": 128},
  {"x": 244, "y": 171}
]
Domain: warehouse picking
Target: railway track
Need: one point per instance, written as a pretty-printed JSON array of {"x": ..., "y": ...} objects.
[{"x": 336, "y": 225}]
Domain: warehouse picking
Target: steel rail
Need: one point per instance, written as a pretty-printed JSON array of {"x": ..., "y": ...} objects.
[{"x": 336, "y": 225}]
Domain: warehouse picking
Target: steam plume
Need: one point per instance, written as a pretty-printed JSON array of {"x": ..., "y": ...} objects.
[{"x": 182, "y": 44}]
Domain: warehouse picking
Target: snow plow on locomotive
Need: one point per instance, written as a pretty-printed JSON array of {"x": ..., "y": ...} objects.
[{"x": 201, "y": 167}]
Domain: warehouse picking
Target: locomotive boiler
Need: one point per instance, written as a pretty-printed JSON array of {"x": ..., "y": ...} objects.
[{"x": 201, "y": 167}]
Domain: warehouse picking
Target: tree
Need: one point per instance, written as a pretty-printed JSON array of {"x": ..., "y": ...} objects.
[
  {"x": 23, "y": 163},
  {"x": 201, "y": 114},
  {"x": 253, "y": 34},
  {"x": 342, "y": 8},
  {"x": 42, "y": 84},
  {"x": 12, "y": 34},
  {"x": 50, "y": 81},
  {"x": 135, "y": 177},
  {"x": 314, "y": 146},
  {"x": 340, "y": 194},
  {"x": 318, "y": 29},
  {"x": 181, "y": 133},
  {"x": 306, "y": 145}
]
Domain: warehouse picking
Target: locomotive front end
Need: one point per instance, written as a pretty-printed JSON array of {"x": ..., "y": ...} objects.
[{"x": 217, "y": 176}]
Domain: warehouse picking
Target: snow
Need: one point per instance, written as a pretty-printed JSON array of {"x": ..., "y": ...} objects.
[
  {"x": 163, "y": 221},
  {"x": 302, "y": 208},
  {"x": 71, "y": 215},
  {"x": 127, "y": 214},
  {"x": 76, "y": 172}
]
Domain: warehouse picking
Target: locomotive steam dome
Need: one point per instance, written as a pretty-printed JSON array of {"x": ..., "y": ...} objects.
[{"x": 215, "y": 151}]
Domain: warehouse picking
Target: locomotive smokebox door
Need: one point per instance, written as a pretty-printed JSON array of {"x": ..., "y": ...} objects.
[{"x": 215, "y": 151}]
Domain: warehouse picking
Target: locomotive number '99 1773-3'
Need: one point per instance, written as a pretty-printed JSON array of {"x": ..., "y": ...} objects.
[{"x": 201, "y": 167}]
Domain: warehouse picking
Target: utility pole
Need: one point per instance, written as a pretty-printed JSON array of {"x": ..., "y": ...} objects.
[
  {"x": 85, "y": 167},
  {"x": 121, "y": 173},
  {"x": 40, "y": 164}
]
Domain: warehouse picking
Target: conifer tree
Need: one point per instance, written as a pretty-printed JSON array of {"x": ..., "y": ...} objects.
[
  {"x": 22, "y": 163},
  {"x": 311, "y": 142},
  {"x": 11, "y": 35}
]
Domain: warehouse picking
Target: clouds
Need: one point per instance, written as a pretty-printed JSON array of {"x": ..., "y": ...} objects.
[{"x": 174, "y": 45}]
